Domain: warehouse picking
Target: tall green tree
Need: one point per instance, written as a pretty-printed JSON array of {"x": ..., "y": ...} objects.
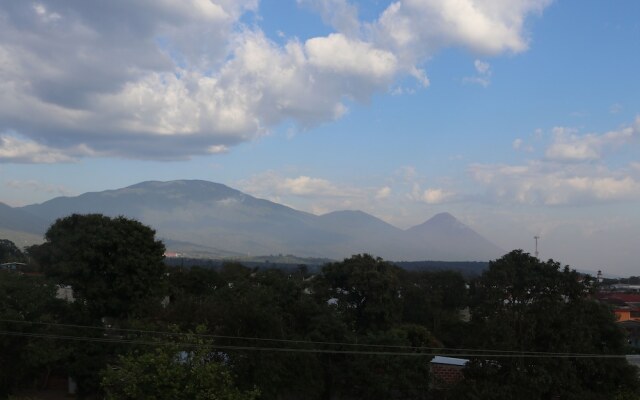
[
  {"x": 9, "y": 252},
  {"x": 114, "y": 265},
  {"x": 363, "y": 289},
  {"x": 522, "y": 304},
  {"x": 435, "y": 299},
  {"x": 366, "y": 295}
]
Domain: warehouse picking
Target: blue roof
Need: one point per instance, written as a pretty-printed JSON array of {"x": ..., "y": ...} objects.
[{"x": 449, "y": 361}]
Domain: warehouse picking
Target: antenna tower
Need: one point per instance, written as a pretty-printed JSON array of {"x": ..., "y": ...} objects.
[{"x": 536, "y": 239}]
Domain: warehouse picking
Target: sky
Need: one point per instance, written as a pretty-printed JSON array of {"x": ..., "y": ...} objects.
[{"x": 519, "y": 117}]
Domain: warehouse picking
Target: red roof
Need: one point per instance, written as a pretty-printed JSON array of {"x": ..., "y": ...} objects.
[{"x": 620, "y": 297}]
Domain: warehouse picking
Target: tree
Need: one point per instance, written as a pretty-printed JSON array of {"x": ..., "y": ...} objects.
[
  {"x": 366, "y": 295},
  {"x": 522, "y": 304},
  {"x": 114, "y": 265},
  {"x": 9, "y": 252},
  {"x": 365, "y": 291},
  {"x": 25, "y": 360},
  {"x": 434, "y": 299},
  {"x": 184, "y": 370}
]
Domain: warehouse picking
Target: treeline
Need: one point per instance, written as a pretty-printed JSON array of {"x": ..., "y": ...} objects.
[
  {"x": 468, "y": 269},
  {"x": 361, "y": 328}
]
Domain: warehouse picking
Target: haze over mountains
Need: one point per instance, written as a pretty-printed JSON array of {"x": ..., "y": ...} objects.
[{"x": 212, "y": 219}]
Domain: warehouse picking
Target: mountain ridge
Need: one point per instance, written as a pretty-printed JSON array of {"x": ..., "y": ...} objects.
[{"x": 209, "y": 215}]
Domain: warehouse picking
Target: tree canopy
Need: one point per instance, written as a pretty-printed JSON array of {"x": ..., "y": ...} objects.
[
  {"x": 113, "y": 264},
  {"x": 9, "y": 252},
  {"x": 524, "y": 305},
  {"x": 186, "y": 369},
  {"x": 358, "y": 328}
]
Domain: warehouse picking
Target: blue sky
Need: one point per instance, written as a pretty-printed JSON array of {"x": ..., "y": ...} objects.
[{"x": 520, "y": 117}]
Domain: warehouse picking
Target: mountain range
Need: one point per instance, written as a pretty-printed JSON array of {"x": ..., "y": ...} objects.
[{"x": 214, "y": 220}]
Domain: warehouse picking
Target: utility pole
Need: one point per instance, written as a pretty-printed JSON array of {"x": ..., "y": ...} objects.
[{"x": 536, "y": 238}]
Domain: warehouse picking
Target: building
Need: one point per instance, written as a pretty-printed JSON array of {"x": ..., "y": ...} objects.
[
  {"x": 447, "y": 370},
  {"x": 12, "y": 266}
]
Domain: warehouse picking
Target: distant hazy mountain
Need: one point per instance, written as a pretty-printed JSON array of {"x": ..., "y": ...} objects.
[
  {"x": 18, "y": 220},
  {"x": 205, "y": 217},
  {"x": 454, "y": 239}
]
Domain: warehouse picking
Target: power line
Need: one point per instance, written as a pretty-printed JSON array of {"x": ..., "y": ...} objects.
[
  {"x": 431, "y": 351},
  {"x": 310, "y": 342},
  {"x": 142, "y": 331}
]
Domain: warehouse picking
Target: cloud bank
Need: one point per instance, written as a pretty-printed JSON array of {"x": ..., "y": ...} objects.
[
  {"x": 172, "y": 79},
  {"x": 573, "y": 171}
]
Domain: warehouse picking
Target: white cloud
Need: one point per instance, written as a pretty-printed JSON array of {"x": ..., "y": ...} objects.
[
  {"x": 407, "y": 173},
  {"x": 567, "y": 145},
  {"x": 307, "y": 186},
  {"x": 20, "y": 150},
  {"x": 483, "y": 68},
  {"x": 431, "y": 195},
  {"x": 320, "y": 195},
  {"x": 415, "y": 28},
  {"x": 483, "y": 74},
  {"x": 383, "y": 193},
  {"x": 339, "y": 14},
  {"x": 539, "y": 183},
  {"x": 219, "y": 149},
  {"x": 337, "y": 53},
  {"x": 273, "y": 185},
  {"x": 586, "y": 179},
  {"x": 436, "y": 196},
  {"x": 174, "y": 78},
  {"x": 517, "y": 144},
  {"x": 47, "y": 17}
]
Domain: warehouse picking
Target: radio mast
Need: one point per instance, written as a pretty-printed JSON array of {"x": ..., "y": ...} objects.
[{"x": 536, "y": 239}]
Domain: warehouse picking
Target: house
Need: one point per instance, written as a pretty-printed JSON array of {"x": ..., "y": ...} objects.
[
  {"x": 626, "y": 307},
  {"x": 627, "y": 313},
  {"x": 12, "y": 266},
  {"x": 447, "y": 370}
]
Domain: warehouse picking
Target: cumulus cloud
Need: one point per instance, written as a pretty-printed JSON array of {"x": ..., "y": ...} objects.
[
  {"x": 573, "y": 171},
  {"x": 483, "y": 74},
  {"x": 171, "y": 79},
  {"x": 16, "y": 149},
  {"x": 320, "y": 195},
  {"x": 517, "y": 144},
  {"x": 274, "y": 185},
  {"x": 383, "y": 193},
  {"x": 339, "y": 14},
  {"x": 567, "y": 145},
  {"x": 431, "y": 195},
  {"x": 416, "y": 28},
  {"x": 436, "y": 196},
  {"x": 538, "y": 183}
]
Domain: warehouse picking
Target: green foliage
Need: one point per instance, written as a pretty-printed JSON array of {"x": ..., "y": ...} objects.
[
  {"x": 185, "y": 370},
  {"x": 24, "y": 361},
  {"x": 518, "y": 304},
  {"x": 113, "y": 264},
  {"x": 388, "y": 376},
  {"x": 365, "y": 291},
  {"x": 523, "y": 304},
  {"x": 9, "y": 252},
  {"x": 237, "y": 301},
  {"x": 434, "y": 300}
]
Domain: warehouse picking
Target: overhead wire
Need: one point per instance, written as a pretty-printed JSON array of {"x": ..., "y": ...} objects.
[
  {"x": 296, "y": 341},
  {"x": 417, "y": 350}
]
